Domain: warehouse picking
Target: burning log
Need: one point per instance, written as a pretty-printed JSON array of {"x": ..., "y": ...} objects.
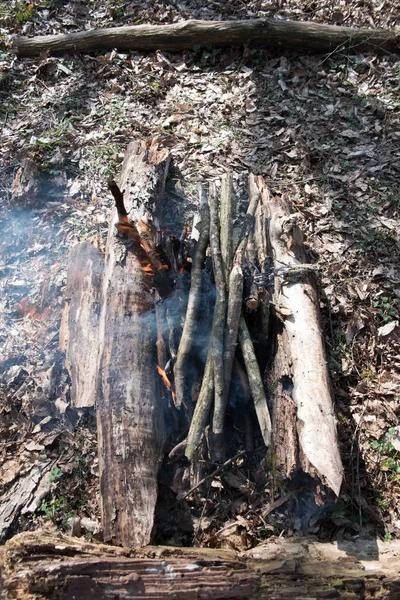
[{"x": 129, "y": 411}]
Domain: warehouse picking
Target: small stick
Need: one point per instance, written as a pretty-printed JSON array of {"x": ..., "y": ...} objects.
[
  {"x": 213, "y": 474},
  {"x": 177, "y": 449},
  {"x": 255, "y": 382},
  {"x": 202, "y": 409},
  {"x": 226, "y": 211},
  {"x": 254, "y": 194},
  {"x": 186, "y": 342},
  {"x": 217, "y": 342}
]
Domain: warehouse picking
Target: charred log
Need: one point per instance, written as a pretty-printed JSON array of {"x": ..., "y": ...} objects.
[{"x": 129, "y": 411}]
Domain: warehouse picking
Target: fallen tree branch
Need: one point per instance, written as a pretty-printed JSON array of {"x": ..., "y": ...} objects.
[
  {"x": 43, "y": 565},
  {"x": 311, "y": 37},
  {"x": 235, "y": 281},
  {"x": 304, "y": 417}
]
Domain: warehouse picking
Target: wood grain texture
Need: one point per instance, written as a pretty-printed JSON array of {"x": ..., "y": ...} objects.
[
  {"x": 301, "y": 372},
  {"x": 311, "y": 37},
  {"x": 80, "y": 321},
  {"x": 129, "y": 412},
  {"x": 39, "y": 565}
]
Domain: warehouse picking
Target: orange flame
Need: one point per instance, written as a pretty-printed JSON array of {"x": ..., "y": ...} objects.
[{"x": 167, "y": 382}]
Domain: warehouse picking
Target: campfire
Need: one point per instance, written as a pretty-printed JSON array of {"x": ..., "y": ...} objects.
[{"x": 206, "y": 354}]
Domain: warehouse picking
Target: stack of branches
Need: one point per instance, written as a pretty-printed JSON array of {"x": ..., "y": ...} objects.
[{"x": 232, "y": 252}]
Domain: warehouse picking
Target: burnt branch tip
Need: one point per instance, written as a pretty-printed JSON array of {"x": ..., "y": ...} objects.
[{"x": 118, "y": 197}]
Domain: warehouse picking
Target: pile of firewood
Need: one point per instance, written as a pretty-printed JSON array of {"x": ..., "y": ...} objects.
[{"x": 118, "y": 332}]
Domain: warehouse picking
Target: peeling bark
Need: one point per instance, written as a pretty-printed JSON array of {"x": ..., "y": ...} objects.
[
  {"x": 309, "y": 441},
  {"x": 80, "y": 321},
  {"x": 39, "y": 565}
]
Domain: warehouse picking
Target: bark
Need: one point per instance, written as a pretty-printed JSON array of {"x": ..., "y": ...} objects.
[
  {"x": 194, "y": 301},
  {"x": 39, "y": 565},
  {"x": 226, "y": 218},
  {"x": 271, "y": 33},
  {"x": 80, "y": 322},
  {"x": 255, "y": 382},
  {"x": 129, "y": 411},
  {"x": 217, "y": 342},
  {"x": 305, "y": 436}
]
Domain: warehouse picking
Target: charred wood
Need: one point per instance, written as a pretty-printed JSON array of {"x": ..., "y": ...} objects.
[{"x": 129, "y": 412}]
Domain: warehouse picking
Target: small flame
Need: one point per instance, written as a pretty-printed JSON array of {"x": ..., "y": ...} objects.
[
  {"x": 167, "y": 382},
  {"x": 148, "y": 269}
]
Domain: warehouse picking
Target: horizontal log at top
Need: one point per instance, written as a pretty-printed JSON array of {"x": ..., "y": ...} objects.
[{"x": 309, "y": 36}]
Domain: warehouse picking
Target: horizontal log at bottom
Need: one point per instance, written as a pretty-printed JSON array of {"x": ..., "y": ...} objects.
[{"x": 39, "y": 565}]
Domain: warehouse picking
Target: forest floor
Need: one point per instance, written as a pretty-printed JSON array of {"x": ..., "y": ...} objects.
[{"x": 323, "y": 129}]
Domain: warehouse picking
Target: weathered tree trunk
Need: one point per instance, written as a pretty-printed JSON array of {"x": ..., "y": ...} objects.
[
  {"x": 312, "y": 37},
  {"x": 39, "y": 565},
  {"x": 305, "y": 436},
  {"x": 129, "y": 412},
  {"x": 80, "y": 322}
]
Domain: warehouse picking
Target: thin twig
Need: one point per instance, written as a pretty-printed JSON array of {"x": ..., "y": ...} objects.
[{"x": 213, "y": 474}]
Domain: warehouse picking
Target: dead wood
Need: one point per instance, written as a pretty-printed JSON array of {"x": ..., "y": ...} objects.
[
  {"x": 234, "y": 284},
  {"x": 217, "y": 341},
  {"x": 227, "y": 210},
  {"x": 194, "y": 300},
  {"x": 305, "y": 436},
  {"x": 39, "y": 565},
  {"x": 255, "y": 382},
  {"x": 80, "y": 321},
  {"x": 217, "y": 471},
  {"x": 129, "y": 411},
  {"x": 202, "y": 409},
  {"x": 309, "y": 36}
]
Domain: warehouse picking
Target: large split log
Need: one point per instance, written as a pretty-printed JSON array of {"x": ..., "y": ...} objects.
[
  {"x": 305, "y": 434},
  {"x": 39, "y": 565},
  {"x": 129, "y": 411},
  {"x": 311, "y": 37},
  {"x": 80, "y": 321}
]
